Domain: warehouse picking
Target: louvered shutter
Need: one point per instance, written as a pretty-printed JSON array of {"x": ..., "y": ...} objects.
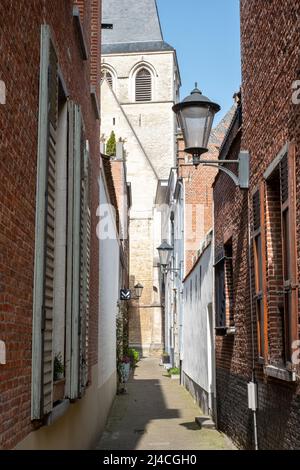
[
  {"x": 143, "y": 85},
  {"x": 78, "y": 265},
  {"x": 284, "y": 179},
  {"x": 42, "y": 350},
  {"x": 85, "y": 237},
  {"x": 256, "y": 210},
  {"x": 50, "y": 236},
  {"x": 74, "y": 252},
  {"x": 108, "y": 76},
  {"x": 288, "y": 191}
]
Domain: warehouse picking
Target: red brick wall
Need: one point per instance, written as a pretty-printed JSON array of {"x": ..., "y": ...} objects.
[
  {"x": 270, "y": 64},
  {"x": 198, "y": 192},
  {"x": 20, "y": 25}
]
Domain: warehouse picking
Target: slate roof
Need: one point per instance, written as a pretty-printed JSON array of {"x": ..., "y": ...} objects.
[
  {"x": 133, "y": 21},
  {"x": 151, "y": 46}
]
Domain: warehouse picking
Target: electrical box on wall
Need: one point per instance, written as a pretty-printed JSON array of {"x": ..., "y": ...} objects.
[
  {"x": 252, "y": 396},
  {"x": 2, "y": 352}
]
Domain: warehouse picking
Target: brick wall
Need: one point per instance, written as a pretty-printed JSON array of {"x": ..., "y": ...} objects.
[
  {"x": 270, "y": 64},
  {"x": 19, "y": 69},
  {"x": 198, "y": 192}
]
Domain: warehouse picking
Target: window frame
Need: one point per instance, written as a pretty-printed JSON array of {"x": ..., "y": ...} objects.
[
  {"x": 106, "y": 69},
  {"x": 288, "y": 245},
  {"x": 260, "y": 287}
]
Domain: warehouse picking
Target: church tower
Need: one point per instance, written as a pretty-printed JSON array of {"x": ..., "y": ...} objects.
[{"x": 140, "y": 85}]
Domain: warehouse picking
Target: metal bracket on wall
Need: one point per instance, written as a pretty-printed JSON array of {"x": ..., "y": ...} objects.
[{"x": 242, "y": 180}]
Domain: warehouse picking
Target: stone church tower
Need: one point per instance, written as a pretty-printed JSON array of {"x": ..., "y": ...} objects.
[{"x": 140, "y": 85}]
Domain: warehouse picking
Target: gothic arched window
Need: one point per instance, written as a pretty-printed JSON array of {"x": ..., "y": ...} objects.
[
  {"x": 106, "y": 74},
  {"x": 143, "y": 85}
]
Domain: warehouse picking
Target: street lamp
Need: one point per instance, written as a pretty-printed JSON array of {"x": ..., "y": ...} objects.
[
  {"x": 164, "y": 251},
  {"x": 138, "y": 290},
  {"x": 195, "y": 115}
]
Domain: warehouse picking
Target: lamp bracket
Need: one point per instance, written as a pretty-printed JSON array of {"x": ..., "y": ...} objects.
[{"x": 242, "y": 180}]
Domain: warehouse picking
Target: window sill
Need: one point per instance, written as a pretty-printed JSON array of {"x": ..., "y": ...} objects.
[
  {"x": 225, "y": 330},
  {"x": 280, "y": 373},
  {"x": 58, "y": 411}
]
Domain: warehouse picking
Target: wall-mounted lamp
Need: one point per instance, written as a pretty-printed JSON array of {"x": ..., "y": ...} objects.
[
  {"x": 165, "y": 251},
  {"x": 195, "y": 115},
  {"x": 127, "y": 294}
]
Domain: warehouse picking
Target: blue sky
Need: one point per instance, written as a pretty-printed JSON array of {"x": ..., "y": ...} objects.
[{"x": 206, "y": 36}]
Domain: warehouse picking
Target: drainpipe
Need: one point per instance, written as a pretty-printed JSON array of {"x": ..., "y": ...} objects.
[{"x": 253, "y": 378}]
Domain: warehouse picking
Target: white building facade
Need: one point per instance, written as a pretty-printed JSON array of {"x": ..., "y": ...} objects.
[{"x": 198, "y": 365}]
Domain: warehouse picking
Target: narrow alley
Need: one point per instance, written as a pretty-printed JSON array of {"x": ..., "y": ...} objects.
[
  {"x": 157, "y": 413},
  {"x": 149, "y": 229}
]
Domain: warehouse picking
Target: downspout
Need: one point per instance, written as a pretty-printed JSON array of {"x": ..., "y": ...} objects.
[{"x": 253, "y": 378}]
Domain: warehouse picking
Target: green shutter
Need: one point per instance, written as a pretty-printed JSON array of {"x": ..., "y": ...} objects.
[
  {"x": 78, "y": 258},
  {"x": 84, "y": 271},
  {"x": 73, "y": 309},
  {"x": 42, "y": 348}
]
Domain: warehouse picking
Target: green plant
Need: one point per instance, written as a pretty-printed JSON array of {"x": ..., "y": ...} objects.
[
  {"x": 58, "y": 368},
  {"x": 134, "y": 356},
  {"x": 174, "y": 371},
  {"x": 111, "y": 145}
]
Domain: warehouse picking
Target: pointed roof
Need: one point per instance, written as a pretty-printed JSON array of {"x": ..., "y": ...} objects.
[{"x": 135, "y": 23}]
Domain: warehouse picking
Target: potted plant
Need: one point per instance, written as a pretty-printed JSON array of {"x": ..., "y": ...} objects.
[
  {"x": 58, "y": 369},
  {"x": 124, "y": 371},
  {"x": 58, "y": 378},
  {"x": 174, "y": 373},
  {"x": 134, "y": 357}
]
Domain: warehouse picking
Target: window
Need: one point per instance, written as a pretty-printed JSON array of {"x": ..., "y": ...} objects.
[
  {"x": 224, "y": 287},
  {"x": 220, "y": 292},
  {"x": 105, "y": 74},
  {"x": 143, "y": 85},
  {"x": 259, "y": 268},
  {"x": 282, "y": 258},
  {"x": 61, "y": 270}
]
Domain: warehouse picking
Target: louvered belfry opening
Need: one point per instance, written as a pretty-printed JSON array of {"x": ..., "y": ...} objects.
[
  {"x": 106, "y": 74},
  {"x": 143, "y": 85}
]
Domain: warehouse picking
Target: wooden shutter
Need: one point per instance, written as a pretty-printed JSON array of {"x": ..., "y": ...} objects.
[
  {"x": 288, "y": 202},
  {"x": 259, "y": 253},
  {"x": 85, "y": 237},
  {"x": 143, "y": 85},
  {"x": 256, "y": 210},
  {"x": 78, "y": 255},
  {"x": 42, "y": 350},
  {"x": 220, "y": 297},
  {"x": 50, "y": 236},
  {"x": 73, "y": 255}
]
